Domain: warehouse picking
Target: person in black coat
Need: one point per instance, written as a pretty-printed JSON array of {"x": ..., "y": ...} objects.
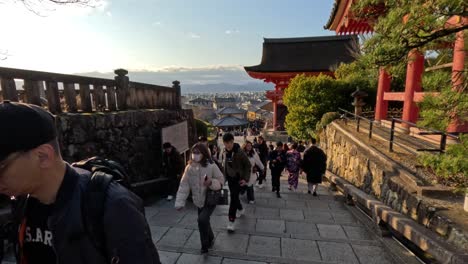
[
  {"x": 262, "y": 150},
  {"x": 314, "y": 165},
  {"x": 277, "y": 159},
  {"x": 173, "y": 166}
]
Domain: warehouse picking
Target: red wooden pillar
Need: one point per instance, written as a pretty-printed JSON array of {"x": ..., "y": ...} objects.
[
  {"x": 381, "y": 106},
  {"x": 414, "y": 72},
  {"x": 275, "y": 113},
  {"x": 459, "y": 54}
]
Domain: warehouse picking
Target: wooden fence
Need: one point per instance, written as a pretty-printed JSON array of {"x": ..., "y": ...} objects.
[{"x": 73, "y": 93}]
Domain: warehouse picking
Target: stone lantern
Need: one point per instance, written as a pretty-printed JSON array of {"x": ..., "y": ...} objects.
[{"x": 358, "y": 101}]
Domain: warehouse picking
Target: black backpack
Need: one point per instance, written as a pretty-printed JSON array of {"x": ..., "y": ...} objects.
[{"x": 103, "y": 173}]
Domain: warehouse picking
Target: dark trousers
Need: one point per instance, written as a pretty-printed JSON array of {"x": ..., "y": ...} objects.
[
  {"x": 275, "y": 179},
  {"x": 204, "y": 226},
  {"x": 234, "y": 189},
  {"x": 250, "y": 193},
  {"x": 262, "y": 174},
  {"x": 172, "y": 185}
]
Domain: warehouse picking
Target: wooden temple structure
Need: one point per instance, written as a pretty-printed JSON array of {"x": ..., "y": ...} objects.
[
  {"x": 343, "y": 22},
  {"x": 284, "y": 58}
]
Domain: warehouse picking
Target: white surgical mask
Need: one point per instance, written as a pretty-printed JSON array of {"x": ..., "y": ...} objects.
[{"x": 197, "y": 157}]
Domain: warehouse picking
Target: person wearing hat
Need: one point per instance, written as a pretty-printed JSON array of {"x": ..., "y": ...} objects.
[
  {"x": 48, "y": 192},
  {"x": 173, "y": 167}
]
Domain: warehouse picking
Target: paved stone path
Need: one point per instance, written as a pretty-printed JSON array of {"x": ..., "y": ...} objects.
[{"x": 298, "y": 228}]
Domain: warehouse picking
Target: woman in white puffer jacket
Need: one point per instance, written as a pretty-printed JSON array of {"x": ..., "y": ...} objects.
[
  {"x": 200, "y": 175},
  {"x": 256, "y": 164}
]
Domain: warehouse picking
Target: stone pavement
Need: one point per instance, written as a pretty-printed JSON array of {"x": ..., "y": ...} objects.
[{"x": 297, "y": 228}]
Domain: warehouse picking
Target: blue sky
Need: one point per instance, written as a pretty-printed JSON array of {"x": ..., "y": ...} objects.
[{"x": 153, "y": 35}]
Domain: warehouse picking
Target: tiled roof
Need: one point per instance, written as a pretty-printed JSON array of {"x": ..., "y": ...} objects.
[
  {"x": 333, "y": 13},
  {"x": 221, "y": 99},
  {"x": 230, "y": 111},
  {"x": 229, "y": 121},
  {"x": 313, "y": 54},
  {"x": 200, "y": 100}
]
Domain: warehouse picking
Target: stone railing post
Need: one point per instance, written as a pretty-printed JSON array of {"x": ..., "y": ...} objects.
[
  {"x": 122, "y": 89},
  {"x": 178, "y": 101},
  {"x": 465, "y": 205}
]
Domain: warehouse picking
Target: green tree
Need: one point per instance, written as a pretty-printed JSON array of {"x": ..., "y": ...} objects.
[
  {"x": 309, "y": 98},
  {"x": 403, "y": 25}
]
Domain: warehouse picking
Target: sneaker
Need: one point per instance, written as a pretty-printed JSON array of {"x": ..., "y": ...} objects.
[
  {"x": 239, "y": 213},
  {"x": 278, "y": 195},
  {"x": 251, "y": 202},
  {"x": 308, "y": 192},
  {"x": 204, "y": 250},
  {"x": 314, "y": 194},
  {"x": 260, "y": 186},
  {"x": 230, "y": 227},
  {"x": 170, "y": 197}
]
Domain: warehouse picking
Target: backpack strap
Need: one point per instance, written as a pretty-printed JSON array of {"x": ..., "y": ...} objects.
[{"x": 93, "y": 207}]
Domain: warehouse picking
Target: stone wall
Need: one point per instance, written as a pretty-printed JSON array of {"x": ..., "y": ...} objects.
[
  {"x": 377, "y": 175},
  {"x": 131, "y": 137}
]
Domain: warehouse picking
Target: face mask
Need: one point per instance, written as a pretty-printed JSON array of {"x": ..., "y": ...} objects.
[{"x": 197, "y": 157}]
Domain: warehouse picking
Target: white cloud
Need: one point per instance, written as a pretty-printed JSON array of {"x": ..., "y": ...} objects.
[
  {"x": 193, "y": 35},
  {"x": 232, "y": 31},
  {"x": 156, "y": 24},
  {"x": 109, "y": 14},
  {"x": 196, "y": 69},
  {"x": 213, "y": 74}
]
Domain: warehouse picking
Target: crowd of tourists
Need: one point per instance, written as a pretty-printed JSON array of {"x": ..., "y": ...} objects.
[
  {"x": 241, "y": 168},
  {"x": 85, "y": 212}
]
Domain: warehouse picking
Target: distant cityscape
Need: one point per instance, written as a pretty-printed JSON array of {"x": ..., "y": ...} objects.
[{"x": 231, "y": 110}]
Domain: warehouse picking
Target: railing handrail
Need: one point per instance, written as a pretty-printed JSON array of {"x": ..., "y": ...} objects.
[
  {"x": 53, "y": 77},
  {"x": 358, "y": 116},
  {"x": 93, "y": 94},
  {"x": 150, "y": 86},
  {"x": 425, "y": 128},
  {"x": 403, "y": 121},
  {"x": 391, "y": 141}
]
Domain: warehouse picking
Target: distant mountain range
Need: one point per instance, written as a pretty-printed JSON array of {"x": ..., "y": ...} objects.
[
  {"x": 225, "y": 88},
  {"x": 198, "y": 80}
]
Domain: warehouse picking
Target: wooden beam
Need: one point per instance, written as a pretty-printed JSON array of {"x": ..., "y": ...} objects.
[
  {"x": 437, "y": 67},
  {"x": 389, "y": 96}
]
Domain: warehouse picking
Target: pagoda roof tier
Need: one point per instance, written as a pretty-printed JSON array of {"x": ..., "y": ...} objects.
[
  {"x": 343, "y": 22},
  {"x": 299, "y": 55}
]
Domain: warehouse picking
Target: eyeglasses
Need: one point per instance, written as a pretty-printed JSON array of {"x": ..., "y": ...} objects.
[{"x": 8, "y": 161}]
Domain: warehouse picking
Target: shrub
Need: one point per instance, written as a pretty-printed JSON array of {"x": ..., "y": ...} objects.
[{"x": 450, "y": 167}]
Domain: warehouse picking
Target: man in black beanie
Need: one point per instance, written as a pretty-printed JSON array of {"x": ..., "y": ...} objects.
[{"x": 48, "y": 212}]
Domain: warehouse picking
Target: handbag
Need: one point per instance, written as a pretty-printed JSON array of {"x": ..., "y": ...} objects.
[{"x": 218, "y": 197}]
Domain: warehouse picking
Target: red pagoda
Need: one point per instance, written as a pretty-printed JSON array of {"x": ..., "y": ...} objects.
[{"x": 284, "y": 58}]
